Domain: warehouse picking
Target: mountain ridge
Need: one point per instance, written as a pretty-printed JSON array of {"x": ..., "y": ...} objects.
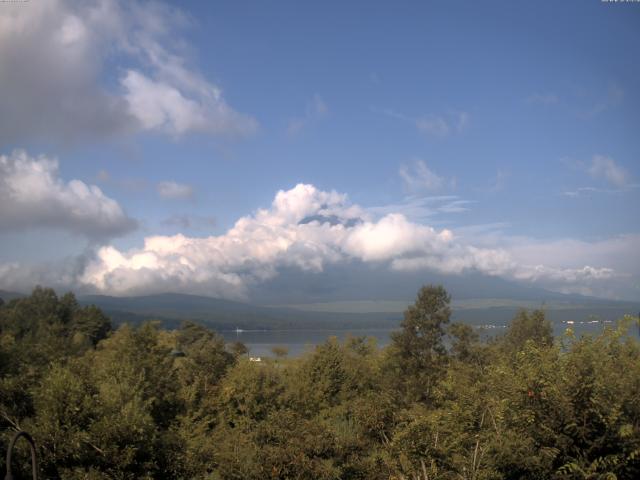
[{"x": 173, "y": 308}]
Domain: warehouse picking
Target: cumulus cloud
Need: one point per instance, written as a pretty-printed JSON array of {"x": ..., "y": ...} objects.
[
  {"x": 60, "y": 274},
  {"x": 606, "y": 168},
  {"x": 33, "y": 195},
  {"x": 72, "y": 71},
  {"x": 305, "y": 229},
  {"x": 174, "y": 190}
]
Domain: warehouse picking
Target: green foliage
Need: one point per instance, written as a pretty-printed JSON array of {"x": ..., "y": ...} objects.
[
  {"x": 145, "y": 402},
  {"x": 417, "y": 357},
  {"x": 464, "y": 342},
  {"x": 280, "y": 351},
  {"x": 533, "y": 327}
]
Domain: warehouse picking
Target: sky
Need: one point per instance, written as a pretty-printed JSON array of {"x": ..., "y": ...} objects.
[{"x": 212, "y": 146}]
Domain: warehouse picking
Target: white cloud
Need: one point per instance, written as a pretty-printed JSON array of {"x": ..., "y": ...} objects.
[
  {"x": 608, "y": 267},
  {"x": 606, "y": 168},
  {"x": 20, "y": 277},
  {"x": 308, "y": 229},
  {"x": 55, "y": 61},
  {"x": 305, "y": 228},
  {"x": 614, "y": 252},
  {"x": 174, "y": 190},
  {"x": 33, "y": 195},
  {"x": 605, "y": 267},
  {"x": 420, "y": 178}
]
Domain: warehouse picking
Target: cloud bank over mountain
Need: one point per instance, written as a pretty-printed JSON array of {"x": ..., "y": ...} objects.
[{"x": 307, "y": 229}]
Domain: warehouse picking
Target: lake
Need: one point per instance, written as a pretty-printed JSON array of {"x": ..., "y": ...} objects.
[{"x": 260, "y": 342}]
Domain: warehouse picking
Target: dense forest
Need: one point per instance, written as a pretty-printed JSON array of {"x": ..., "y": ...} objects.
[{"x": 437, "y": 403}]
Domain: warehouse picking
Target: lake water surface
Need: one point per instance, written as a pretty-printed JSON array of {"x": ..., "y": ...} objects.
[{"x": 260, "y": 342}]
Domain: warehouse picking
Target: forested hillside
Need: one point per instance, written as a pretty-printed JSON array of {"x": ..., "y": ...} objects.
[{"x": 145, "y": 402}]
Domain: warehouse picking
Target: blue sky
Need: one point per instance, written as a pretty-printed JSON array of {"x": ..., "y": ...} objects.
[{"x": 512, "y": 126}]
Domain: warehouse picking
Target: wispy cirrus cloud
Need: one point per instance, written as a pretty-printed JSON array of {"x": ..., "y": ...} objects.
[
  {"x": 418, "y": 178},
  {"x": 605, "y": 170},
  {"x": 425, "y": 207},
  {"x": 603, "y": 167},
  {"x": 582, "y": 191},
  {"x": 316, "y": 110},
  {"x": 433, "y": 125},
  {"x": 588, "y": 105},
  {"x": 591, "y": 191},
  {"x": 497, "y": 183}
]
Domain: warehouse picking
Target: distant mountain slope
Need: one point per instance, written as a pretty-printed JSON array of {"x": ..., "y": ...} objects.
[
  {"x": 7, "y": 295},
  {"x": 370, "y": 282},
  {"x": 172, "y": 303},
  {"x": 172, "y": 308}
]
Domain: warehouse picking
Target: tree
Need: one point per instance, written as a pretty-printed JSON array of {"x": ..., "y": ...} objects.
[
  {"x": 527, "y": 326},
  {"x": 127, "y": 407},
  {"x": 279, "y": 351},
  {"x": 92, "y": 323},
  {"x": 418, "y": 355},
  {"x": 238, "y": 349},
  {"x": 464, "y": 339}
]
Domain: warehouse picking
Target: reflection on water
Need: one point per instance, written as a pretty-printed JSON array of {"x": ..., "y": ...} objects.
[{"x": 260, "y": 342}]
